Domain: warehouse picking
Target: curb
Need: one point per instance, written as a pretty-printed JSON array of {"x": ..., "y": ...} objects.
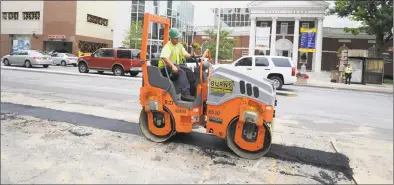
[
  {"x": 284, "y": 93},
  {"x": 68, "y": 73},
  {"x": 348, "y": 89}
]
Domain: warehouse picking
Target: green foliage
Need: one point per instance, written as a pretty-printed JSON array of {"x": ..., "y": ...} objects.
[
  {"x": 184, "y": 45},
  {"x": 133, "y": 36},
  {"x": 196, "y": 45},
  {"x": 226, "y": 44},
  {"x": 376, "y": 17}
]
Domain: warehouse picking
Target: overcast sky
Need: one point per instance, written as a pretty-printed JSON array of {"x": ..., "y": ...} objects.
[{"x": 203, "y": 16}]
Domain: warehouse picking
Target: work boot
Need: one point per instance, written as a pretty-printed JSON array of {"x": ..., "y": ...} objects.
[{"x": 187, "y": 97}]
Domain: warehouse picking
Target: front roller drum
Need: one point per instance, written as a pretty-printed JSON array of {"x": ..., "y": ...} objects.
[
  {"x": 156, "y": 126},
  {"x": 247, "y": 140}
]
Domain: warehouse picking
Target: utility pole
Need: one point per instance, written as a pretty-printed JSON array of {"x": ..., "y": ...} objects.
[{"x": 217, "y": 36}]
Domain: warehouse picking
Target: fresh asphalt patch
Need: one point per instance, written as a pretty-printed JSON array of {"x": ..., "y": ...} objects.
[{"x": 209, "y": 145}]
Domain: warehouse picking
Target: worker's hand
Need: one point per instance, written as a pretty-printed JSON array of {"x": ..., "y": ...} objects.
[{"x": 175, "y": 69}]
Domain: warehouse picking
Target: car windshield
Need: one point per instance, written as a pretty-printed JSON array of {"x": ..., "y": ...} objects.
[{"x": 70, "y": 55}]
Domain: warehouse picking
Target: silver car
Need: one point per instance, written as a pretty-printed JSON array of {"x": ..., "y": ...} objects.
[
  {"x": 27, "y": 58},
  {"x": 64, "y": 59}
]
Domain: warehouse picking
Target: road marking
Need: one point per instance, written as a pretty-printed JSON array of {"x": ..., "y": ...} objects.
[
  {"x": 272, "y": 176},
  {"x": 206, "y": 173}
]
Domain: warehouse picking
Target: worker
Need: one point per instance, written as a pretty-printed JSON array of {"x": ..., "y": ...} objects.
[
  {"x": 172, "y": 56},
  {"x": 348, "y": 73}
]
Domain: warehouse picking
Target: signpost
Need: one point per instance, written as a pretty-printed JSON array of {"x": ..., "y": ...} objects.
[
  {"x": 308, "y": 38},
  {"x": 263, "y": 38}
]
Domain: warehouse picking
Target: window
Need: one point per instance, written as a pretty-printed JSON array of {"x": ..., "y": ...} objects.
[
  {"x": 108, "y": 53},
  {"x": 264, "y": 24},
  {"x": 70, "y": 55},
  {"x": 125, "y": 54},
  {"x": 104, "y": 53},
  {"x": 135, "y": 53},
  {"x": 281, "y": 62},
  {"x": 262, "y": 61},
  {"x": 305, "y": 25},
  {"x": 10, "y": 15},
  {"x": 97, "y": 20},
  {"x": 247, "y": 61},
  {"x": 31, "y": 15},
  {"x": 283, "y": 28}
]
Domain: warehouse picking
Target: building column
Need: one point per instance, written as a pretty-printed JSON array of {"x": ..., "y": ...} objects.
[
  {"x": 296, "y": 41},
  {"x": 252, "y": 35},
  {"x": 273, "y": 37},
  {"x": 319, "y": 45}
]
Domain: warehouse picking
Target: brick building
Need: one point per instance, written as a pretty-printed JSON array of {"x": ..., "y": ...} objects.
[{"x": 68, "y": 26}]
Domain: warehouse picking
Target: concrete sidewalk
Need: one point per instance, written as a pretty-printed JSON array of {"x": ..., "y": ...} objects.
[{"x": 385, "y": 88}]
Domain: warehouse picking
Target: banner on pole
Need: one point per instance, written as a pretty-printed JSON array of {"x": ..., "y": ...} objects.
[
  {"x": 263, "y": 38},
  {"x": 308, "y": 38}
]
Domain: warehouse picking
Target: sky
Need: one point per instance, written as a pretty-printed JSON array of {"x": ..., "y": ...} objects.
[{"x": 203, "y": 16}]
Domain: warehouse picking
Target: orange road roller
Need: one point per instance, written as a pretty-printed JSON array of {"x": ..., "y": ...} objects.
[{"x": 228, "y": 104}]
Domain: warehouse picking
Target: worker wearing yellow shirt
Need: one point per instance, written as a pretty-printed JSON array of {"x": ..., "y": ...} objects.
[
  {"x": 172, "y": 56},
  {"x": 348, "y": 73}
]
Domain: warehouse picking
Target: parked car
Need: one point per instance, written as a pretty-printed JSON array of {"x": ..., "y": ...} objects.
[
  {"x": 64, "y": 59},
  {"x": 279, "y": 69},
  {"x": 117, "y": 60},
  {"x": 27, "y": 58}
]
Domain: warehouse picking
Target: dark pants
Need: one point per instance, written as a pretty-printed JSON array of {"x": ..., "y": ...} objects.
[
  {"x": 181, "y": 79},
  {"x": 348, "y": 77}
]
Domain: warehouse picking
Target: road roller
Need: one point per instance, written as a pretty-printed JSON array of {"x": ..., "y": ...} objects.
[{"x": 228, "y": 104}]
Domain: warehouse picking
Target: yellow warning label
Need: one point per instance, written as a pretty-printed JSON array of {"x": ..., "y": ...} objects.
[{"x": 221, "y": 85}]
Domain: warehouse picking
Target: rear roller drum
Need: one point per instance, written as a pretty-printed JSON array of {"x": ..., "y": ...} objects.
[
  {"x": 248, "y": 141},
  {"x": 156, "y": 126}
]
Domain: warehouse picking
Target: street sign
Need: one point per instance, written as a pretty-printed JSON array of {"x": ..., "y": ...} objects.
[{"x": 308, "y": 38}]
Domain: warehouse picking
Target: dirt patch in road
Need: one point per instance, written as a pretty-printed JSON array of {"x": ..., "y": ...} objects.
[{"x": 40, "y": 151}]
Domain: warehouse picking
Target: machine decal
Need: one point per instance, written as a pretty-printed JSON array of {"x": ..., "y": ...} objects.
[
  {"x": 221, "y": 85},
  {"x": 180, "y": 111},
  {"x": 215, "y": 120},
  {"x": 168, "y": 102},
  {"x": 214, "y": 112}
]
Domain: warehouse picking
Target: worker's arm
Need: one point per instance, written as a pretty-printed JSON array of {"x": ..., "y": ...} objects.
[{"x": 165, "y": 55}]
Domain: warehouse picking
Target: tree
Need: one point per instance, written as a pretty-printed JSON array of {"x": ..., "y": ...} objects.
[
  {"x": 133, "y": 36},
  {"x": 376, "y": 17},
  {"x": 226, "y": 43}
]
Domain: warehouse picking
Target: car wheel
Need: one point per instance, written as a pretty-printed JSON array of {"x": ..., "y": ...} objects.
[
  {"x": 83, "y": 68},
  {"x": 6, "y": 62},
  {"x": 133, "y": 74},
  {"x": 100, "y": 72},
  {"x": 278, "y": 82},
  {"x": 45, "y": 66},
  {"x": 63, "y": 63},
  {"x": 75, "y": 65},
  {"x": 27, "y": 64},
  {"x": 118, "y": 71}
]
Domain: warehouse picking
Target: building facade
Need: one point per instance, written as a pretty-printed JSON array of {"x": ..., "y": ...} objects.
[
  {"x": 285, "y": 19},
  {"x": 180, "y": 13},
  {"x": 65, "y": 26}
]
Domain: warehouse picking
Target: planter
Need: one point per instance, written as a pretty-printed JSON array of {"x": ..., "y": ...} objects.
[{"x": 301, "y": 80}]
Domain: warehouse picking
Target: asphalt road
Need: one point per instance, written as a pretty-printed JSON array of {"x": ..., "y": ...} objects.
[
  {"x": 326, "y": 106},
  {"x": 312, "y": 119}
]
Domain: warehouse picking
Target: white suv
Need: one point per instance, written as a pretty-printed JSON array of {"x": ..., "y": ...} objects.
[{"x": 279, "y": 69}]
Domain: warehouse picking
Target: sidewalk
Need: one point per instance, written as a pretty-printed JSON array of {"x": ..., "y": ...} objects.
[
  {"x": 322, "y": 80},
  {"x": 385, "y": 88}
]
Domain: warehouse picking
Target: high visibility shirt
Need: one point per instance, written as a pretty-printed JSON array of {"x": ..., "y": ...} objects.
[
  {"x": 174, "y": 53},
  {"x": 348, "y": 70}
]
